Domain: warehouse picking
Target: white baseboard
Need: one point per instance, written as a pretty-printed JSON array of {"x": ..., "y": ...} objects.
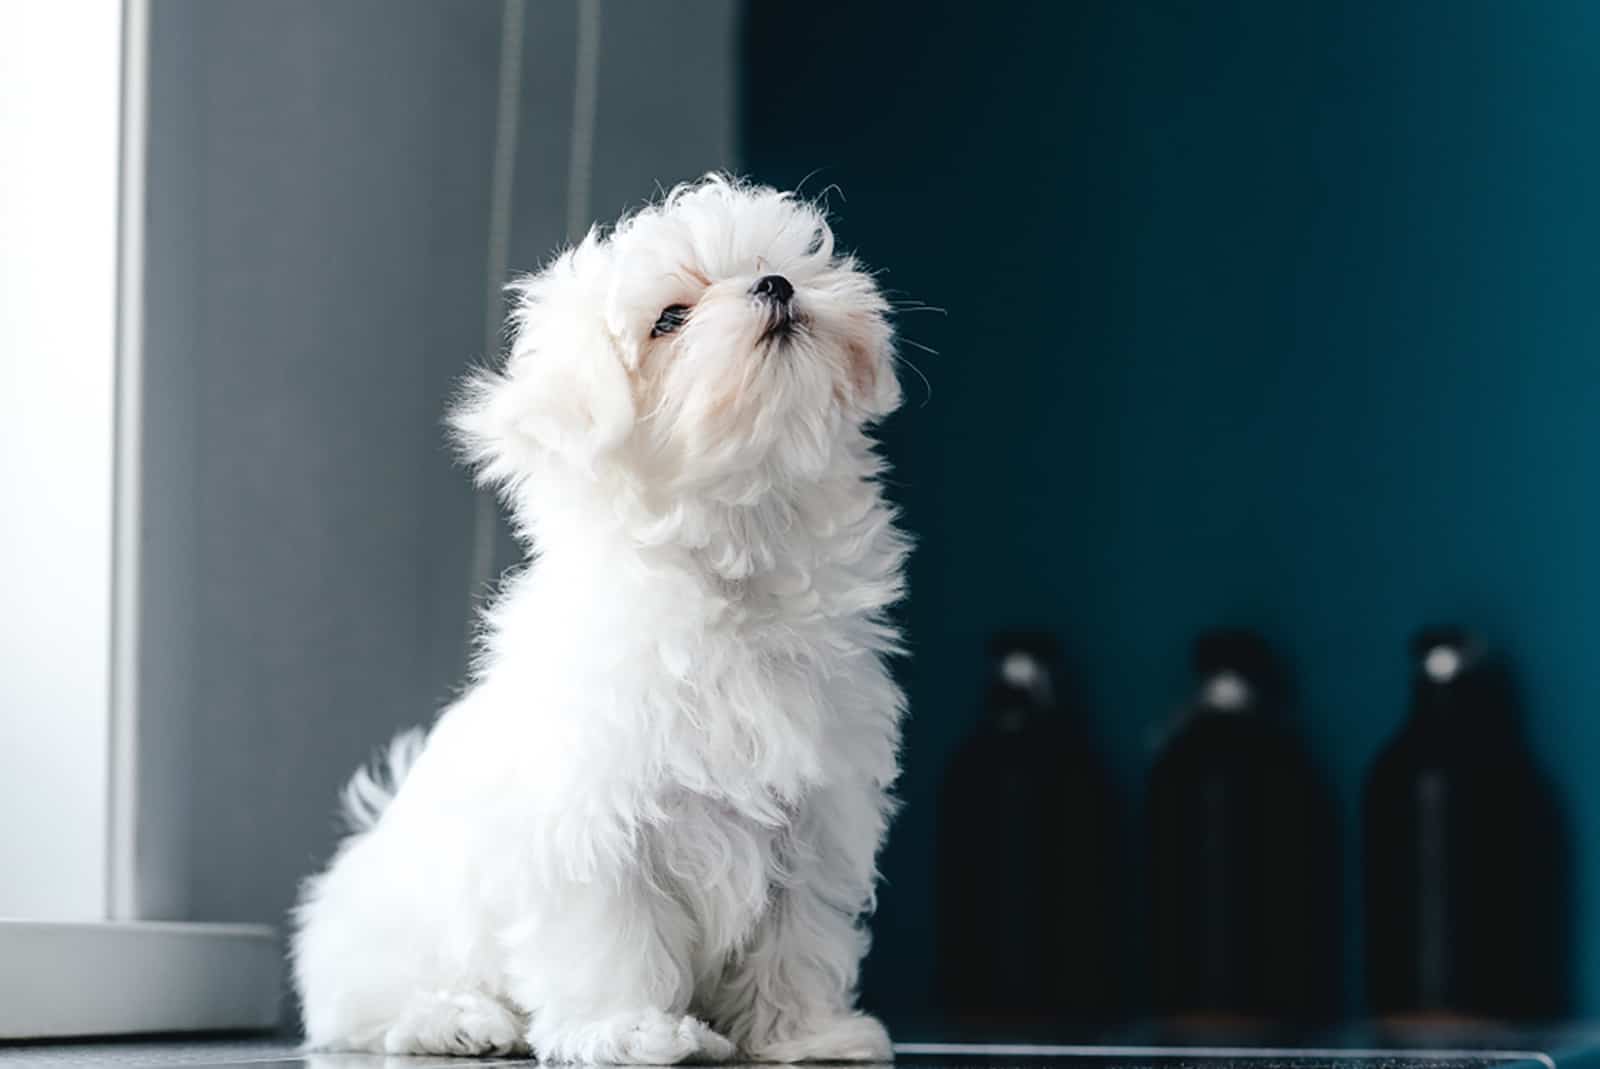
[{"x": 102, "y": 978}]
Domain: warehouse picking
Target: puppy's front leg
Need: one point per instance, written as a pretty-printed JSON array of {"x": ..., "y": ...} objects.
[
  {"x": 601, "y": 967},
  {"x": 790, "y": 994}
]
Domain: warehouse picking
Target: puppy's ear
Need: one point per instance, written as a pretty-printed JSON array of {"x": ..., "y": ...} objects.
[
  {"x": 564, "y": 392},
  {"x": 871, "y": 370}
]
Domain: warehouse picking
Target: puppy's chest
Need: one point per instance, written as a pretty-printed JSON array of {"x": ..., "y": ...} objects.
[
  {"x": 750, "y": 722},
  {"x": 752, "y": 702},
  {"x": 718, "y": 864}
]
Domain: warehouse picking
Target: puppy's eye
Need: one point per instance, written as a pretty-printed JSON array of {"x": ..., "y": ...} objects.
[{"x": 673, "y": 316}]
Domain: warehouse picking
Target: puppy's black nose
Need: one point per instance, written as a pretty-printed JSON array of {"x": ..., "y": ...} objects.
[{"x": 773, "y": 288}]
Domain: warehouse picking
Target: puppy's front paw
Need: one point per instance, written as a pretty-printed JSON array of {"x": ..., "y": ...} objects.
[
  {"x": 458, "y": 1023},
  {"x": 851, "y": 1037},
  {"x": 649, "y": 1038}
]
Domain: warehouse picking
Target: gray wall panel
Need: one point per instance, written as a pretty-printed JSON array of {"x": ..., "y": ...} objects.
[{"x": 318, "y": 219}]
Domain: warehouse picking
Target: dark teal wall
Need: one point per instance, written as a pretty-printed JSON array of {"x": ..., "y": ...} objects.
[{"x": 1258, "y": 313}]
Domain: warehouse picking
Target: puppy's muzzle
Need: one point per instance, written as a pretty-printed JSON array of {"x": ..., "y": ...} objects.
[{"x": 776, "y": 293}]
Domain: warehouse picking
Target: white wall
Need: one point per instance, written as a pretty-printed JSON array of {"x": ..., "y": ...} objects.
[{"x": 59, "y": 95}]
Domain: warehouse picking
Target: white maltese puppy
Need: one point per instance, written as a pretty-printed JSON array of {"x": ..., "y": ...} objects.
[{"x": 646, "y": 832}]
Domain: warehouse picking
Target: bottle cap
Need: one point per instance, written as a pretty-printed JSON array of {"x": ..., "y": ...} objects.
[
  {"x": 1444, "y": 654},
  {"x": 1023, "y": 665},
  {"x": 1236, "y": 670},
  {"x": 1227, "y": 691}
]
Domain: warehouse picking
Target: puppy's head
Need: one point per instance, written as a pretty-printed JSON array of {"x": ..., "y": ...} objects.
[{"x": 712, "y": 343}]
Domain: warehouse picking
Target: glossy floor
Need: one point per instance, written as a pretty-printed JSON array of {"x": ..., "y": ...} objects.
[{"x": 280, "y": 1054}]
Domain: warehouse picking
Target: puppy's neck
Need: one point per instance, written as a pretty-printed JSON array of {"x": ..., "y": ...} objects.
[{"x": 732, "y": 544}]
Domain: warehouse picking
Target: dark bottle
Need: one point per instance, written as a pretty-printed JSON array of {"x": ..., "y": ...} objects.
[
  {"x": 1022, "y": 866},
  {"x": 1463, "y": 849},
  {"x": 1243, "y": 851}
]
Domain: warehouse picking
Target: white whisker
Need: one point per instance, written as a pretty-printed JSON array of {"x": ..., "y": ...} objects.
[{"x": 927, "y": 386}]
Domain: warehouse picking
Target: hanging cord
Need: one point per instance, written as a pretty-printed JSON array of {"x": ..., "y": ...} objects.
[{"x": 580, "y": 162}]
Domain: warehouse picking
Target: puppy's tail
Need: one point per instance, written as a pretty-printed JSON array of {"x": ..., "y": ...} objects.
[{"x": 373, "y": 787}]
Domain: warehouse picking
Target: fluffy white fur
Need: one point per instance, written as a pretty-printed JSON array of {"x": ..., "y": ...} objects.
[{"x": 646, "y": 832}]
